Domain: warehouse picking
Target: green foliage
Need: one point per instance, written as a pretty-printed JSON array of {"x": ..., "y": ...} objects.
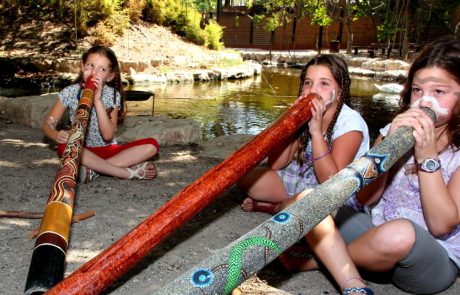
[
  {"x": 320, "y": 16},
  {"x": 107, "y": 30},
  {"x": 189, "y": 25},
  {"x": 162, "y": 12},
  {"x": 205, "y": 6},
  {"x": 386, "y": 30},
  {"x": 414, "y": 17},
  {"x": 106, "y": 19},
  {"x": 135, "y": 8},
  {"x": 214, "y": 36},
  {"x": 276, "y": 13},
  {"x": 185, "y": 18}
]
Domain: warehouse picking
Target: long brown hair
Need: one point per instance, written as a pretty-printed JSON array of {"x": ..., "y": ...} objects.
[
  {"x": 445, "y": 54},
  {"x": 339, "y": 71},
  {"x": 116, "y": 83}
]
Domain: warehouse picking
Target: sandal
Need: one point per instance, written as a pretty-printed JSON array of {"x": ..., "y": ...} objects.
[
  {"x": 366, "y": 290},
  {"x": 86, "y": 175},
  {"x": 139, "y": 171},
  {"x": 269, "y": 208}
]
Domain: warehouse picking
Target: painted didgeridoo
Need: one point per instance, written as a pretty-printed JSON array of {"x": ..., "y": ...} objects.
[
  {"x": 98, "y": 273},
  {"x": 47, "y": 265},
  {"x": 230, "y": 266}
]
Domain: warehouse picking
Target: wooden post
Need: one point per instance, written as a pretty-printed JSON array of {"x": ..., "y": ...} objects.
[
  {"x": 101, "y": 271},
  {"x": 47, "y": 265}
]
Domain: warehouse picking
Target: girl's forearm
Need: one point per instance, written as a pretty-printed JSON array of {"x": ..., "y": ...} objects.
[
  {"x": 106, "y": 126},
  {"x": 439, "y": 209},
  {"x": 322, "y": 159},
  {"x": 49, "y": 128},
  {"x": 281, "y": 157}
]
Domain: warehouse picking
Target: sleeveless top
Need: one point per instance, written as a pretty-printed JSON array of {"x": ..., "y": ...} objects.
[{"x": 70, "y": 98}]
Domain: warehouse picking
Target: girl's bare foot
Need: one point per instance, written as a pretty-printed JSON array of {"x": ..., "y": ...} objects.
[{"x": 145, "y": 170}]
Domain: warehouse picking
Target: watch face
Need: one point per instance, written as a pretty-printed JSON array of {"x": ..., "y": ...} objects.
[{"x": 430, "y": 165}]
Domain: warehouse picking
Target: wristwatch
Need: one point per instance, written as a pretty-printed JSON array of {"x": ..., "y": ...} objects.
[{"x": 429, "y": 165}]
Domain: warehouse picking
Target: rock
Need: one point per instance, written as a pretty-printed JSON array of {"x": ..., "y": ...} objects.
[
  {"x": 28, "y": 110},
  {"x": 61, "y": 65},
  {"x": 31, "y": 111},
  {"x": 180, "y": 77},
  {"x": 165, "y": 130},
  {"x": 43, "y": 65},
  {"x": 385, "y": 65},
  {"x": 205, "y": 75},
  {"x": 126, "y": 66}
]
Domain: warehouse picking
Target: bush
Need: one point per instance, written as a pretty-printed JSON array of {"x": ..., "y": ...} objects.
[
  {"x": 106, "y": 31},
  {"x": 185, "y": 21},
  {"x": 135, "y": 9},
  {"x": 214, "y": 36}
]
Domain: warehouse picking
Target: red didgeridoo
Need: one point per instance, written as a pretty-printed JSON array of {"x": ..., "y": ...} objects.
[
  {"x": 101, "y": 271},
  {"x": 48, "y": 258}
]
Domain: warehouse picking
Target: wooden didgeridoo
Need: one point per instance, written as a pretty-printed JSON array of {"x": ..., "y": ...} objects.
[
  {"x": 230, "y": 266},
  {"x": 98, "y": 273},
  {"x": 47, "y": 265}
]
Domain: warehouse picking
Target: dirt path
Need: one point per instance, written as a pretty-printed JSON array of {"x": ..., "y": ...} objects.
[{"x": 27, "y": 168}]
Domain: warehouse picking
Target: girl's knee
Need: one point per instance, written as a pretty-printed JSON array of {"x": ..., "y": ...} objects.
[
  {"x": 152, "y": 147},
  {"x": 396, "y": 237}
]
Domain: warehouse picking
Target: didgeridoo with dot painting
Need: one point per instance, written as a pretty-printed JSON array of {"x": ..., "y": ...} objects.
[
  {"x": 230, "y": 266},
  {"x": 101, "y": 271},
  {"x": 48, "y": 258}
]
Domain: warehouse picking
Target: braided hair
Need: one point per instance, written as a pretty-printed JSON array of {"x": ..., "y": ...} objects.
[
  {"x": 116, "y": 83},
  {"x": 339, "y": 71}
]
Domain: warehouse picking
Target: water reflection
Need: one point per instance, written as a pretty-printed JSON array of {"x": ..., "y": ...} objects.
[
  {"x": 245, "y": 106},
  {"x": 249, "y": 106}
]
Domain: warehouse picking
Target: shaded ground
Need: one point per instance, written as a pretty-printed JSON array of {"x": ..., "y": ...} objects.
[
  {"x": 40, "y": 38},
  {"x": 27, "y": 169},
  {"x": 28, "y": 166}
]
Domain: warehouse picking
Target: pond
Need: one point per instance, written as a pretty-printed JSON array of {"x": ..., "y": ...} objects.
[
  {"x": 248, "y": 106},
  {"x": 245, "y": 106}
]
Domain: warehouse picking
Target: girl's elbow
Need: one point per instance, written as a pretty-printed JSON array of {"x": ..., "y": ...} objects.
[
  {"x": 108, "y": 137},
  {"x": 441, "y": 230}
]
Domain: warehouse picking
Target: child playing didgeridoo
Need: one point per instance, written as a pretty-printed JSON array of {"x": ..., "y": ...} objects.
[
  {"x": 411, "y": 230},
  {"x": 102, "y": 153},
  {"x": 334, "y": 136}
]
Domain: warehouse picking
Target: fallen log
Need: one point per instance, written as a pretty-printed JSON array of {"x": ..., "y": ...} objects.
[
  {"x": 48, "y": 258},
  {"x": 77, "y": 218},
  {"x": 101, "y": 271}
]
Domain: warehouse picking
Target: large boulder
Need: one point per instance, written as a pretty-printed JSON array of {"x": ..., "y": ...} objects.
[
  {"x": 165, "y": 130},
  {"x": 31, "y": 111},
  {"x": 28, "y": 110}
]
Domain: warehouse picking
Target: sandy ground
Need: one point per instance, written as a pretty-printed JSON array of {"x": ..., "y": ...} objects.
[{"x": 27, "y": 168}]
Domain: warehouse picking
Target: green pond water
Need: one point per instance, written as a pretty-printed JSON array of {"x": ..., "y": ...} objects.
[
  {"x": 248, "y": 106},
  {"x": 245, "y": 106}
]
